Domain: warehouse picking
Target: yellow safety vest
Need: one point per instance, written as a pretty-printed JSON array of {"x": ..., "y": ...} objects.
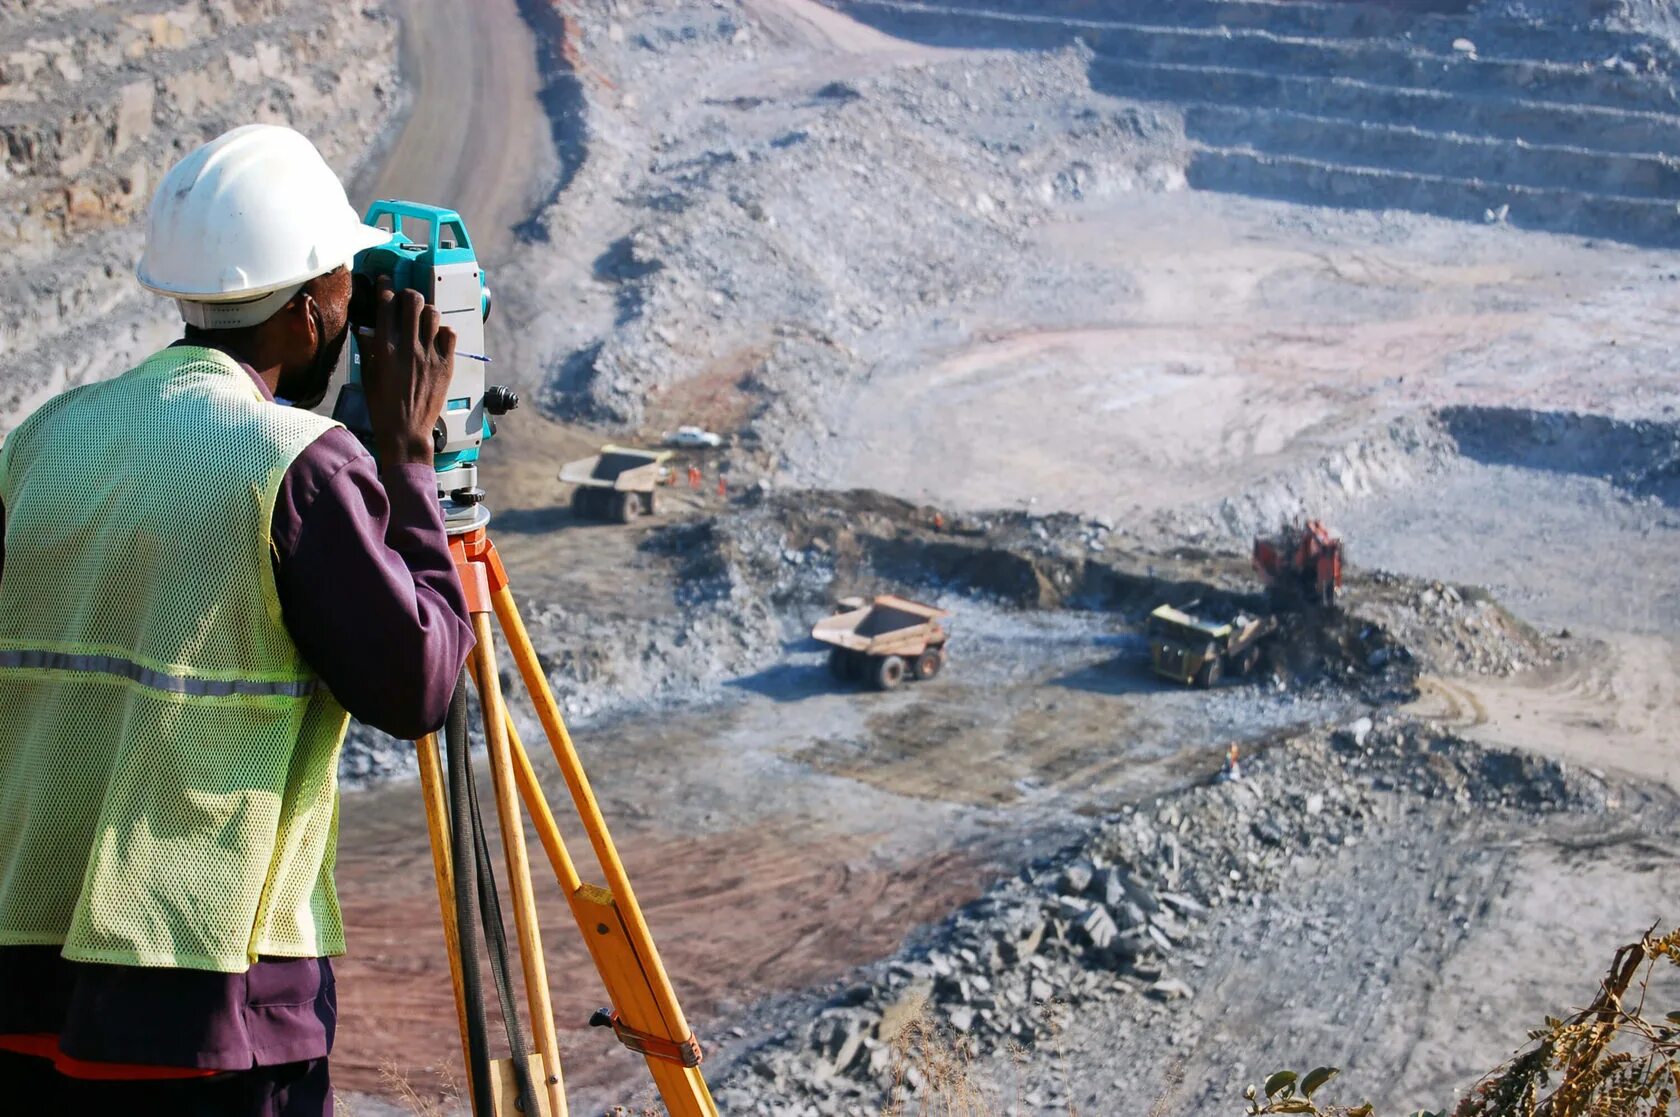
[{"x": 168, "y": 761}]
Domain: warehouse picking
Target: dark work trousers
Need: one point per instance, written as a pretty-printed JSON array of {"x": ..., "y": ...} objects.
[{"x": 30, "y": 1087}]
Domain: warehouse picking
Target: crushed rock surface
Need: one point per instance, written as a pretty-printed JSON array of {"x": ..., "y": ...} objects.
[{"x": 1198, "y": 941}]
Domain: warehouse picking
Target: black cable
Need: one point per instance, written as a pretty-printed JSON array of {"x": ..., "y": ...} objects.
[
  {"x": 461, "y": 837},
  {"x": 495, "y": 936}
]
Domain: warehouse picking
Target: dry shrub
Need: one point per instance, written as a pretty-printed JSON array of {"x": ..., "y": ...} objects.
[
  {"x": 1610, "y": 1059},
  {"x": 1607, "y": 1060}
]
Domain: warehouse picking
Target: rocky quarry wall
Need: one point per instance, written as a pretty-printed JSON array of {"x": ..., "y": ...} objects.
[{"x": 97, "y": 100}]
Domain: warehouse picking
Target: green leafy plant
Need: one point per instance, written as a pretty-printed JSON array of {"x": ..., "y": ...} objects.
[{"x": 1287, "y": 1091}]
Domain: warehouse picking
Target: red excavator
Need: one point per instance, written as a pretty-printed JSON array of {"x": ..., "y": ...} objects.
[{"x": 1301, "y": 560}]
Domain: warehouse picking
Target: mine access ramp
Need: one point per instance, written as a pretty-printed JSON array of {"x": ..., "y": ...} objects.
[
  {"x": 620, "y": 483},
  {"x": 884, "y": 641}
]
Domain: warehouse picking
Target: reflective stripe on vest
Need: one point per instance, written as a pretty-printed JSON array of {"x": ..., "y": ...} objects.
[{"x": 156, "y": 680}]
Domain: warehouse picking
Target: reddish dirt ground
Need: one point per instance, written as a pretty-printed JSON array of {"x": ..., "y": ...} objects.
[{"x": 738, "y": 916}]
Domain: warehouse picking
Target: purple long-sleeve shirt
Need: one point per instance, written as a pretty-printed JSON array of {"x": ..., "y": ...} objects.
[{"x": 370, "y": 596}]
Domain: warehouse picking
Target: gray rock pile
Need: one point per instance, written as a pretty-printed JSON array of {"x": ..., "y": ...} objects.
[
  {"x": 1126, "y": 914},
  {"x": 1405, "y": 452},
  {"x": 1456, "y": 628}
]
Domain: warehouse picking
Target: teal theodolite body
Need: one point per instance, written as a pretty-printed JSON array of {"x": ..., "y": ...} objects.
[{"x": 430, "y": 252}]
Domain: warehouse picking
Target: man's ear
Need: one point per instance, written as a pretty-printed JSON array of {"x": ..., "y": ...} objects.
[{"x": 299, "y": 323}]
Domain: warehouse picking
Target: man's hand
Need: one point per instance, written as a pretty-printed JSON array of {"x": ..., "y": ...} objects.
[{"x": 406, "y": 367}]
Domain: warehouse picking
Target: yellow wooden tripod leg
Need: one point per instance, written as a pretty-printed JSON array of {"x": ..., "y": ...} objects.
[
  {"x": 548, "y": 831},
  {"x": 610, "y": 949},
  {"x": 443, "y": 870},
  {"x": 518, "y": 865},
  {"x": 611, "y": 921}
]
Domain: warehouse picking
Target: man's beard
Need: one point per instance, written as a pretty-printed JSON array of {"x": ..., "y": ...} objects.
[{"x": 308, "y": 388}]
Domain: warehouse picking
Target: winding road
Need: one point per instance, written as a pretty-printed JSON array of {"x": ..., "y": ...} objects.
[{"x": 475, "y": 137}]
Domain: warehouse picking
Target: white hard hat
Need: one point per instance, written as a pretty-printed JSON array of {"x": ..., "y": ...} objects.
[{"x": 239, "y": 225}]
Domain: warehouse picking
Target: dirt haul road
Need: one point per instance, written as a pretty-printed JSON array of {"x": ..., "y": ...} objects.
[{"x": 475, "y": 138}]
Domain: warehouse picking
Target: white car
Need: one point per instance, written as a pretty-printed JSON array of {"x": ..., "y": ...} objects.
[{"x": 692, "y": 436}]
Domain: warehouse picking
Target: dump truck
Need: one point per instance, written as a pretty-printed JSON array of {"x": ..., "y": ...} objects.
[
  {"x": 884, "y": 641},
  {"x": 1301, "y": 562},
  {"x": 620, "y": 483},
  {"x": 1196, "y": 650}
]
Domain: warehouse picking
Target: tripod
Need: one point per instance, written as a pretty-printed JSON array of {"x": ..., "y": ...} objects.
[{"x": 644, "y": 1016}]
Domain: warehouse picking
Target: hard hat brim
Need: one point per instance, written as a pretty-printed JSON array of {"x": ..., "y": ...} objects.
[{"x": 356, "y": 239}]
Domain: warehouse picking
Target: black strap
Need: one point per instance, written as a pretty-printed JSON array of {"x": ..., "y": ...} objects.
[
  {"x": 458, "y": 747},
  {"x": 495, "y": 936}
]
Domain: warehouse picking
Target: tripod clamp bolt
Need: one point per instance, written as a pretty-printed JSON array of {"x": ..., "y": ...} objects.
[{"x": 687, "y": 1053}]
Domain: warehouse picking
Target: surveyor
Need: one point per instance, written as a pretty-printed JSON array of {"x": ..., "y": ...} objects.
[{"x": 198, "y": 578}]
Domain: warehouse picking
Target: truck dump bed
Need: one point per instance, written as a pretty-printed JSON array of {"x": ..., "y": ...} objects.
[
  {"x": 888, "y": 626},
  {"x": 616, "y": 467}
]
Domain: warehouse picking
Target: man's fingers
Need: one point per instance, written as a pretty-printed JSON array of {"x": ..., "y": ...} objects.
[
  {"x": 446, "y": 344},
  {"x": 430, "y": 320},
  {"x": 413, "y": 304},
  {"x": 385, "y": 310}
]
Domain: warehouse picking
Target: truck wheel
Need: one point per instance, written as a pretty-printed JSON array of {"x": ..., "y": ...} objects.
[
  {"x": 626, "y": 507},
  {"x": 580, "y": 502},
  {"x": 1208, "y": 676},
  {"x": 651, "y": 507},
  {"x": 840, "y": 664},
  {"x": 889, "y": 672},
  {"x": 929, "y": 663}
]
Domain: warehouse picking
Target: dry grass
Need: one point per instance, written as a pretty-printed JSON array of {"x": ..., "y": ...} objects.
[
  {"x": 1163, "y": 1106},
  {"x": 398, "y": 1086},
  {"x": 934, "y": 1070},
  {"x": 933, "y": 1074}
]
